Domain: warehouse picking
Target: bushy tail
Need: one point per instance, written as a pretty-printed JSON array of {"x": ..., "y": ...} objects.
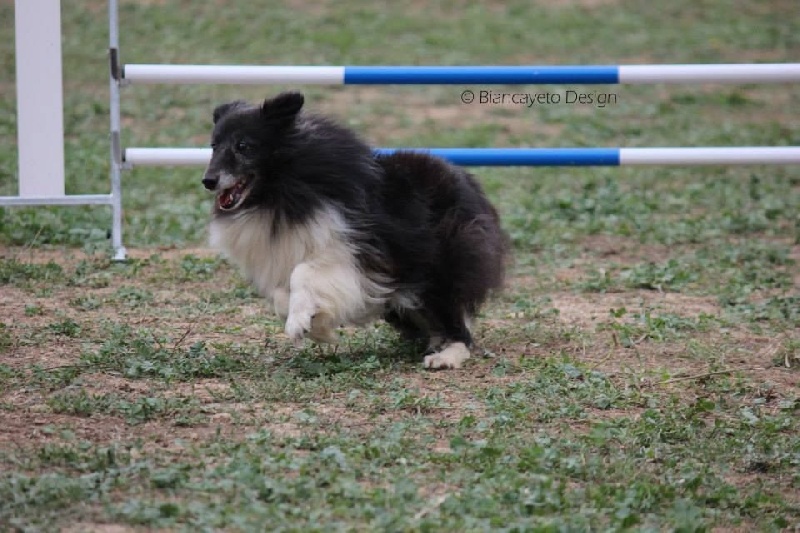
[{"x": 478, "y": 249}]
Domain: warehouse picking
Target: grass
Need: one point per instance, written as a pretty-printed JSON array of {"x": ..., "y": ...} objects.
[{"x": 644, "y": 358}]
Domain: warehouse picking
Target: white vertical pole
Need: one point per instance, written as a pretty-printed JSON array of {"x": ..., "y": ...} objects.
[
  {"x": 40, "y": 112},
  {"x": 116, "y": 143}
]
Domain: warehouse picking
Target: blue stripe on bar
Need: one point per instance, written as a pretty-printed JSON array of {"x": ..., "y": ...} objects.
[
  {"x": 507, "y": 157},
  {"x": 480, "y": 75}
]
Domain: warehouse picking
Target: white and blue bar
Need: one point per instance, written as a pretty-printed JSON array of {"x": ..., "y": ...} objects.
[
  {"x": 462, "y": 75},
  {"x": 506, "y": 157}
]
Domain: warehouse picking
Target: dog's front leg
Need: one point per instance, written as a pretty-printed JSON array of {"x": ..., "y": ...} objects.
[{"x": 306, "y": 317}]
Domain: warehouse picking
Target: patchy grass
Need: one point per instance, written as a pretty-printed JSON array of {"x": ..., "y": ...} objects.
[{"x": 644, "y": 368}]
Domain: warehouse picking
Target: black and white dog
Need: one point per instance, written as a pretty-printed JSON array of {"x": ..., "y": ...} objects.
[{"x": 333, "y": 234}]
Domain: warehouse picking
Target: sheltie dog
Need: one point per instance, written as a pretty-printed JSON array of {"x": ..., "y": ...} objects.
[{"x": 334, "y": 234}]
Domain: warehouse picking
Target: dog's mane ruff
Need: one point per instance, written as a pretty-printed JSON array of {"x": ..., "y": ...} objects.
[{"x": 267, "y": 256}]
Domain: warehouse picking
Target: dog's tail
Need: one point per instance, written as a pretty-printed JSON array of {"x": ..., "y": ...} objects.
[{"x": 478, "y": 252}]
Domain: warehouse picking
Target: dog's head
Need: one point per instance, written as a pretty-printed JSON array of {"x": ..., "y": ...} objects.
[{"x": 248, "y": 141}]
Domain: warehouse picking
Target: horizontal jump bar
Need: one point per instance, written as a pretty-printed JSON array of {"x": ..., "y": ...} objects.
[
  {"x": 75, "y": 199},
  {"x": 460, "y": 75},
  {"x": 753, "y": 155}
]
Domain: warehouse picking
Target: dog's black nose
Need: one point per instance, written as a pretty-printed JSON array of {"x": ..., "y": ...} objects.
[{"x": 210, "y": 183}]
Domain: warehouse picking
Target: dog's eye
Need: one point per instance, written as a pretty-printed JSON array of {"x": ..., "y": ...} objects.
[{"x": 244, "y": 147}]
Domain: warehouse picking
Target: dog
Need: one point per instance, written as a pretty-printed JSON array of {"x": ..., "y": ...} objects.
[{"x": 334, "y": 234}]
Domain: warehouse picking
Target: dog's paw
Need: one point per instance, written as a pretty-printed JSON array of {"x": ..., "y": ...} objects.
[
  {"x": 453, "y": 356},
  {"x": 323, "y": 328},
  {"x": 298, "y": 325}
]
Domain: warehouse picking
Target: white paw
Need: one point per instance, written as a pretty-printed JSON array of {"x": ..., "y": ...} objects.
[
  {"x": 451, "y": 357},
  {"x": 298, "y": 325},
  {"x": 322, "y": 328}
]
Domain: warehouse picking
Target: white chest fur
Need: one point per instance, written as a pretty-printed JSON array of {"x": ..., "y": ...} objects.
[{"x": 267, "y": 259}]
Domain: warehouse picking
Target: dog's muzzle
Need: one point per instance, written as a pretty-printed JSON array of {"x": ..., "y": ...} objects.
[{"x": 231, "y": 191}]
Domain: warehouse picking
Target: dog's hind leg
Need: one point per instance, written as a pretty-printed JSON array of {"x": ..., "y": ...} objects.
[
  {"x": 456, "y": 341},
  {"x": 409, "y": 323},
  {"x": 414, "y": 328}
]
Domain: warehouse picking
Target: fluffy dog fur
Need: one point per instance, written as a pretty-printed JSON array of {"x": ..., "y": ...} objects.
[{"x": 334, "y": 235}]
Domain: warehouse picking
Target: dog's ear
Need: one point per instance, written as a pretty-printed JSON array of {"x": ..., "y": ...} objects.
[
  {"x": 283, "y": 107},
  {"x": 224, "y": 109}
]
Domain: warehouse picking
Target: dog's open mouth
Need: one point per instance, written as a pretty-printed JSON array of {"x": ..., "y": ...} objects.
[{"x": 232, "y": 197}]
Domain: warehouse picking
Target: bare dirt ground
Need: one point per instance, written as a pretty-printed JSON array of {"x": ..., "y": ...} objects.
[{"x": 31, "y": 422}]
